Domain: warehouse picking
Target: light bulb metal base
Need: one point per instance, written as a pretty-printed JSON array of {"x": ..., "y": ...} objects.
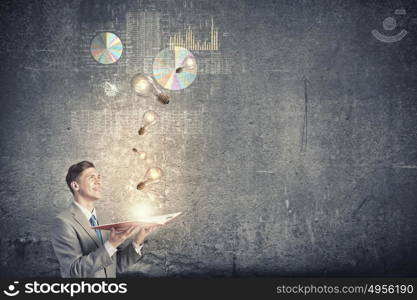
[
  {"x": 163, "y": 98},
  {"x": 141, "y": 186},
  {"x": 141, "y": 131}
]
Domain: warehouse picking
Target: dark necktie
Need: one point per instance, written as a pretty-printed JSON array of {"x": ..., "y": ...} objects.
[{"x": 93, "y": 222}]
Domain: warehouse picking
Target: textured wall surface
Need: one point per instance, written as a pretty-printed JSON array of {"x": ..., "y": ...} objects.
[{"x": 295, "y": 155}]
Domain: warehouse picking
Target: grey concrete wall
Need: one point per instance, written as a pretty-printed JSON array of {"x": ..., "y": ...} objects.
[{"x": 297, "y": 157}]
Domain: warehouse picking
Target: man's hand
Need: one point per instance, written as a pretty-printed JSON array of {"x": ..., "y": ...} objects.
[
  {"x": 117, "y": 238},
  {"x": 143, "y": 233}
]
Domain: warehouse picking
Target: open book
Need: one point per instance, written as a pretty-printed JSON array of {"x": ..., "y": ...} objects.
[{"x": 145, "y": 221}]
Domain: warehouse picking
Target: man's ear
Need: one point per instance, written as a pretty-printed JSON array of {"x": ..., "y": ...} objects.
[{"x": 75, "y": 186}]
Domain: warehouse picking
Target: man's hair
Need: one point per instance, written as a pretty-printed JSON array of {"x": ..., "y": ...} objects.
[{"x": 75, "y": 170}]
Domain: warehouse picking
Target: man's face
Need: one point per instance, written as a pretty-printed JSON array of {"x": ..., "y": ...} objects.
[{"x": 89, "y": 183}]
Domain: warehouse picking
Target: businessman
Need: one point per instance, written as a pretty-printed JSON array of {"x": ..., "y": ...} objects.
[{"x": 85, "y": 252}]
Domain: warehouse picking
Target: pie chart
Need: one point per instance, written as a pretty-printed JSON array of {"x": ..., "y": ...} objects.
[
  {"x": 175, "y": 69},
  {"x": 106, "y": 48}
]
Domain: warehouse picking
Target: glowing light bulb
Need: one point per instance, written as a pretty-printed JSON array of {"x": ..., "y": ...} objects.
[
  {"x": 149, "y": 118},
  {"x": 141, "y": 154},
  {"x": 145, "y": 86},
  {"x": 188, "y": 64},
  {"x": 152, "y": 175}
]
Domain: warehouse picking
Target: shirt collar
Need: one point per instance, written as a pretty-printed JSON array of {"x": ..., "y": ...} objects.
[{"x": 86, "y": 212}]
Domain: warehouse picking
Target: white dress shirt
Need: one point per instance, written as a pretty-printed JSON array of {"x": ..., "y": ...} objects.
[{"x": 109, "y": 247}]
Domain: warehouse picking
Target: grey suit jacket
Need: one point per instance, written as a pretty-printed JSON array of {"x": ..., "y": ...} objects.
[{"x": 79, "y": 251}]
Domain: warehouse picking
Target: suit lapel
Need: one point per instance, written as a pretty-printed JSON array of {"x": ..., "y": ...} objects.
[{"x": 82, "y": 220}]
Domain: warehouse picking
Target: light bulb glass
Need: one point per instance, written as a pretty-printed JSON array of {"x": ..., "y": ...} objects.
[
  {"x": 142, "y": 155},
  {"x": 189, "y": 63},
  {"x": 154, "y": 173},
  {"x": 141, "y": 85},
  {"x": 150, "y": 117}
]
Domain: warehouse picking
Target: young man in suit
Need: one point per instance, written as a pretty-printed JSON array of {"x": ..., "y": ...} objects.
[{"x": 85, "y": 252}]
